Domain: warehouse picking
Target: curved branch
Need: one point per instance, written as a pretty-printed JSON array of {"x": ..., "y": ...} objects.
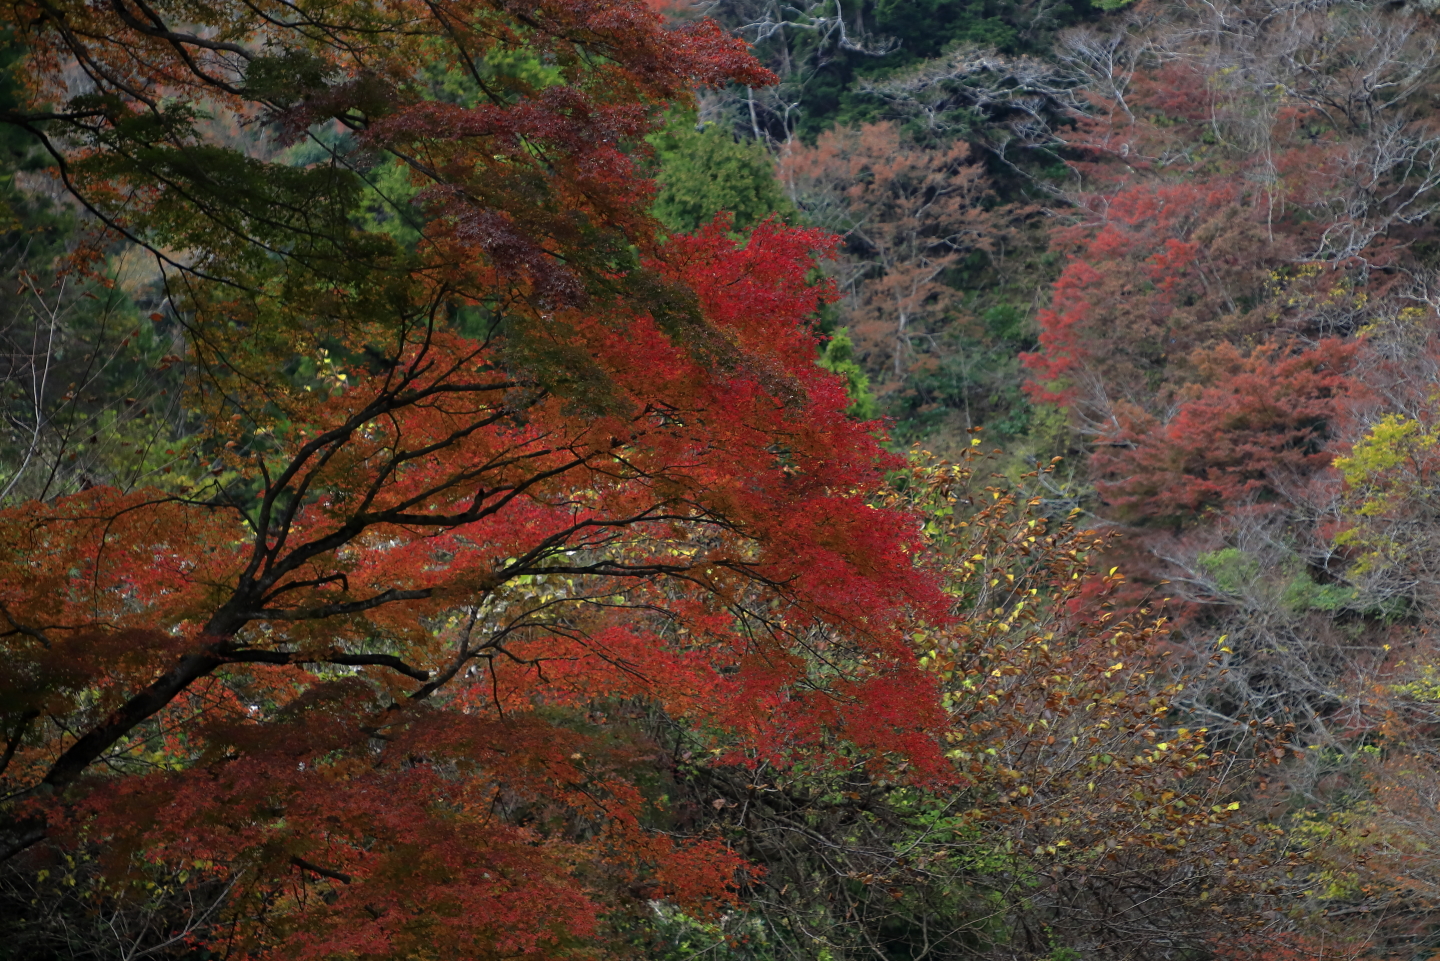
[
  {"x": 334, "y": 610},
  {"x": 340, "y": 876},
  {"x": 283, "y": 658}
]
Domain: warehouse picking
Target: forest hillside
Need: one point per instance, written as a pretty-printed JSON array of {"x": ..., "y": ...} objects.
[
  {"x": 720, "y": 479},
  {"x": 1189, "y": 249}
]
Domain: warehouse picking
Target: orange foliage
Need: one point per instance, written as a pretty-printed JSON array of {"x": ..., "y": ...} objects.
[{"x": 909, "y": 214}]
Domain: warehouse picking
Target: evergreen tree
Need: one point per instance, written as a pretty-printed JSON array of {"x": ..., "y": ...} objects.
[{"x": 704, "y": 170}]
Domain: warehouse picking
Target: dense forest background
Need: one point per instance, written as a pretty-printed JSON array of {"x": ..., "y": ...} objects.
[
  {"x": 1154, "y": 282},
  {"x": 1189, "y": 248}
]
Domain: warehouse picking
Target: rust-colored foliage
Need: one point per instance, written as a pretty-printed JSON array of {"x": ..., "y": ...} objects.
[
  {"x": 1216, "y": 209},
  {"x": 1158, "y": 271},
  {"x": 909, "y": 214},
  {"x": 1252, "y": 427}
]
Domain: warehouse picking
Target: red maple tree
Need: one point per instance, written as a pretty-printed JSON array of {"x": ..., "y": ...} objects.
[
  {"x": 445, "y": 507},
  {"x": 1255, "y": 424},
  {"x": 1158, "y": 270}
]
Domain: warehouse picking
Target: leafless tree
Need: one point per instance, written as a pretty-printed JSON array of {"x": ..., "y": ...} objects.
[{"x": 85, "y": 398}]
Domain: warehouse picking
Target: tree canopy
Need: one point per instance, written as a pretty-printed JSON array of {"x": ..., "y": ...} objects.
[{"x": 435, "y": 499}]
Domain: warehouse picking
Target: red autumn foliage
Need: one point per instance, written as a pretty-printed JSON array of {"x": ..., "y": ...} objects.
[
  {"x": 1255, "y": 423},
  {"x": 351, "y": 670},
  {"x": 1204, "y": 190},
  {"x": 1157, "y": 272},
  {"x": 358, "y": 689}
]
